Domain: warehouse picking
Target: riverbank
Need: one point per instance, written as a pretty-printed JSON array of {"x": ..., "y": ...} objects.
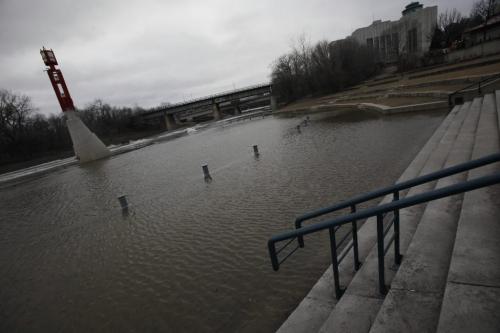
[
  {"x": 33, "y": 170},
  {"x": 53, "y": 156},
  {"x": 340, "y": 108},
  {"x": 57, "y": 164},
  {"x": 400, "y": 92}
]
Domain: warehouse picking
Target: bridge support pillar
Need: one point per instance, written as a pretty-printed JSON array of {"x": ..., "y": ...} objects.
[
  {"x": 274, "y": 103},
  {"x": 216, "y": 111},
  {"x": 170, "y": 123}
]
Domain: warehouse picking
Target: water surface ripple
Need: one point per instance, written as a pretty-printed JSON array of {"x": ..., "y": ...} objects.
[{"x": 190, "y": 256}]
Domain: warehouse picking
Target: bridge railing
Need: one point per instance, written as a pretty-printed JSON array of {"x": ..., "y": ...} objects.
[{"x": 208, "y": 97}]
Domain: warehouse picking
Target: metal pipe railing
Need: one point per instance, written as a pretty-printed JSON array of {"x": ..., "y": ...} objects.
[
  {"x": 467, "y": 88},
  {"x": 379, "y": 211},
  {"x": 396, "y": 188}
]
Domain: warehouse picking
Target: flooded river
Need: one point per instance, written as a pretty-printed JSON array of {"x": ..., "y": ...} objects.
[{"x": 190, "y": 256}]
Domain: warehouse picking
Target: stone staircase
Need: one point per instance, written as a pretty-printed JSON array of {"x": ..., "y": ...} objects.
[{"x": 449, "y": 279}]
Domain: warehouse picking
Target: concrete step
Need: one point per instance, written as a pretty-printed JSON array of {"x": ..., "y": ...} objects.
[
  {"x": 414, "y": 300},
  {"x": 311, "y": 313},
  {"x": 471, "y": 300},
  {"x": 358, "y": 307}
]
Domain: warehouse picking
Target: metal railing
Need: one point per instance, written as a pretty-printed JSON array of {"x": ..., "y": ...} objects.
[
  {"x": 453, "y": 98},
  {"x": 380, "y": 212}
]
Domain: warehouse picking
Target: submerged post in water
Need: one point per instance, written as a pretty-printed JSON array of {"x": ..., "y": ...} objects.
[
  {"x": 206, "y": 173},
  {"x": 256, "y": 151},
  {"x": 123, "y": 201}
]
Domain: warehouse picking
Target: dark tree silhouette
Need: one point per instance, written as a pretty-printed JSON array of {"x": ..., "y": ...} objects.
[{"x": 322, "y": 68}]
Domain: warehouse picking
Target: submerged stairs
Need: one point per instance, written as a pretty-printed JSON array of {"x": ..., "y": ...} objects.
[{"x": 449, "y": 279}]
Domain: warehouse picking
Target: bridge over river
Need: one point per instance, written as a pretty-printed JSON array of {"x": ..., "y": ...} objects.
[{"x": 211, "y": 107}]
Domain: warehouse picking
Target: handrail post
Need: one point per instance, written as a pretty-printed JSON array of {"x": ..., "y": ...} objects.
[
  {"x": 300, "y": 238},
  {"x": 397, "y": 253},
  {"x": 335, "y": 264},
  {"x": 380, "y": 248},
  {"x": 272, "y": 253},
  {"x": 357, "y": 264}
]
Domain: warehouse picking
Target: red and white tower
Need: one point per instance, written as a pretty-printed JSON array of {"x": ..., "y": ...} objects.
[{"x": 87, "y": 146}]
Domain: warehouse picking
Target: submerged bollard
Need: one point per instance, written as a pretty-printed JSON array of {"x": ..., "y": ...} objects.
[
  {"x": 123, "y": 201},
  {"x": 256, "y": 151},
  {"x": 206, "y": 173}
]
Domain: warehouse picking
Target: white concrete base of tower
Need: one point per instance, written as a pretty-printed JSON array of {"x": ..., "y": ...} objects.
[{"x": 87, "y": 146}]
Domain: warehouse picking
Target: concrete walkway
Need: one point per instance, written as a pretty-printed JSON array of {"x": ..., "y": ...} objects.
[{"x": 449, "y": 280}]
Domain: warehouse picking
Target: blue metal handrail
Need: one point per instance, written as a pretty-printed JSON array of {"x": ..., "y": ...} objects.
[
  {"x": 396, "y": 188},
  {"x": 379, "y": 211}
]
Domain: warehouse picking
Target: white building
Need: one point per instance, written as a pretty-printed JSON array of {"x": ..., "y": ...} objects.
[{"x": 410, "y": 35}]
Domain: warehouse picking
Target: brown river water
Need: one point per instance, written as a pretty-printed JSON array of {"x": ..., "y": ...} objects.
[{"x": 190, "y": 256}]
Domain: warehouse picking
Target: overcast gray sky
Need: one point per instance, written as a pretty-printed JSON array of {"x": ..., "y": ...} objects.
[{"x": 147, "y": 52}]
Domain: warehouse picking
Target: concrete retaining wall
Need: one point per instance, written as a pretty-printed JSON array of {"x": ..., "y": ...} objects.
[
  {"x": 404, "y": 108},
  {"x": 483, "y": 49}
]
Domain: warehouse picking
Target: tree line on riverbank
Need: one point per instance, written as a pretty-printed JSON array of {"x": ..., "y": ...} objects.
[
  {"x": 322, "y": 68},
  {"x": 26, "y": 134}
]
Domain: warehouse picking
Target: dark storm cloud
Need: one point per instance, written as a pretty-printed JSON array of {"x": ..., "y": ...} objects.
[{"x": 147, "y": 52}]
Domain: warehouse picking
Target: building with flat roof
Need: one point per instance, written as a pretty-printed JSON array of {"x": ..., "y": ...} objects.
[{"x": 410, "y": 35}]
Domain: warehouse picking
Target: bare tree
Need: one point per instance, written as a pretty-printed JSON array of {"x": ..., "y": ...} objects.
[
  {"x": 448, "y": 18},
  {"x": 26, "y": 135},
  {"x": 14, "y": 112},
  {"x": 323, "y": 68},
  {"x": 482, "y": 9}
]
